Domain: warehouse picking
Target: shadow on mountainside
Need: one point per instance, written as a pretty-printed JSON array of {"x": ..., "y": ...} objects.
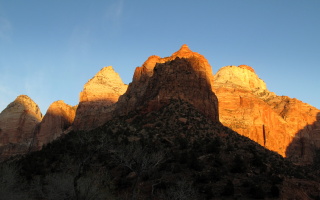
[
  {"x": 305, "y": 146},
  {"x": 175, "y": 150},
  {"x": 180, "y": 78}
]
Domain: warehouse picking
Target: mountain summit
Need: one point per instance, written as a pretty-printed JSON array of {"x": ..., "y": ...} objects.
[
  {"x": 97, "y": 98},
  {"x": 17, "y": 125},
  {"x": 185, "y": 75}
]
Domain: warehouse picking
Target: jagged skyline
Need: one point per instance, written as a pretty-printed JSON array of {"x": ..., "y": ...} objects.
[{"x": 49, "y": 50}]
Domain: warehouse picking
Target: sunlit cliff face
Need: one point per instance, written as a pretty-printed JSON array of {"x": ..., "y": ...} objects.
[
  {"x": 184, "y": 75},
  {"x": 279, "y": 123},
  {"x": 57, "y": 119},
  {"x": 106, "y": 86}
]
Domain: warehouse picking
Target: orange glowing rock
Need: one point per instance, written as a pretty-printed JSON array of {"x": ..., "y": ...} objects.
[
  {"x": 247, "y": 67},
  {"x": 185, "y": 75},
  {"x": 58, "y": 118},
  {"x": 279, "y": 123}
]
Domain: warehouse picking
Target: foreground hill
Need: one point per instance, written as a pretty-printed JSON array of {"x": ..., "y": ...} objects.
[{"x": 173, "y": 153}]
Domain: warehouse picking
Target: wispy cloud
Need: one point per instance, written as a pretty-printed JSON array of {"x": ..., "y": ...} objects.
[
  {"x": 5, "y": 28},
  {"x": 114, "y": 11}
]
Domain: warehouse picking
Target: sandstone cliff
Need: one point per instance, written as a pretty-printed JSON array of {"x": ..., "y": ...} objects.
[
  {"x": 303, "y": 125},
  {"x": 17, "y": 125},
  {"x": 242, "y": 77},
  {"x": 59, "y": 117},
  {"x": 279, "y": 123},
  {"x": 97, "y": 99},
  {"x": 185, "y": 75}
]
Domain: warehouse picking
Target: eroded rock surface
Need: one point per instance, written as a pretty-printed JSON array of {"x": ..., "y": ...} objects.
[
  {"x": 17, "y": 126},
  {"x": 97, "y": 99},
  {"x": 185, "y": 75},
  {"x": 282, "y": 124},
  {"x": 59, "y": 118}
]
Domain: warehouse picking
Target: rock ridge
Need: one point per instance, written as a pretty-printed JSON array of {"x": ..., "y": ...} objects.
[{"x": 185, "y": 75}]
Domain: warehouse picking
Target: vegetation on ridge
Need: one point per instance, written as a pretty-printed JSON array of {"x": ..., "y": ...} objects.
[{"x": 172, "y": 153}]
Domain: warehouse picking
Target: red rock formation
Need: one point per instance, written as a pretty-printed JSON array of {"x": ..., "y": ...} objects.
[
  {"x": 250, "y": 116},
  {"x": 247, "y": 67},
  {"x": 59, "y": 117},
  {"x": 303, "y": 125},
  {"x": 97, "y": 98},
  {"x": 287, "y": 126},
  {"x": 185, "y": 75},
  {"x": 17, "y": 124}
]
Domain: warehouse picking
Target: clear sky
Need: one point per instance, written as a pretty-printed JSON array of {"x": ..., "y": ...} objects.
[{"x": 50, "y": 48}]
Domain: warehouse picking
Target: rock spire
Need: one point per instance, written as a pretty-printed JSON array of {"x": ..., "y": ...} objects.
[{"x": 17, "y": 125}]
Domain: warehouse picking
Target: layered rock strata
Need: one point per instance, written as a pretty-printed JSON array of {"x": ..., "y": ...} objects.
[
  {"x": 287, "y": 126},
  {"x": 97, "y": 99},
  {"x": 18, "y": 122},
  {"x": 185, "y": 75},
  {"x": 303, "y": 126},
  {"x": 58, "y": 118}
]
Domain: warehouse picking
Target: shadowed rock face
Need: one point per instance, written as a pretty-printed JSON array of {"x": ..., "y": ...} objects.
[
  {"x": 276, "y": 122},
  {"x": 185, "y": 75},
  {"x": 97, "y": 99},
  {"x": 17, "y": 125},
  {"x": 59, "y": 117}
]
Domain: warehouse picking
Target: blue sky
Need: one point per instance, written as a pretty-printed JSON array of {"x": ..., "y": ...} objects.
[{"x": 50, "y": 48}]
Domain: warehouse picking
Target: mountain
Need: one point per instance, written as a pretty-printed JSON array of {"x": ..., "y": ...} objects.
[
  {"x": 279, "y": 123},
  {"x": 58, "y": 118},
  {"x": 174, "y": 152},
  {"x": 18, "y": 122},
  {"x": 98, "y": 98},
  {"x": 22, "y": 128},
  {"x": 163, "y": 138},
  {"x": 185, "y": 75}
]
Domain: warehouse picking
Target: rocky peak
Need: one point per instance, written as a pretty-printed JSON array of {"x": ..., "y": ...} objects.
[
  {"x": 23, "y": 103},
  {"x": 106, "y": 85},
  {"x": 17, "y": 124},
  {"x": 97, "y": 98},
  {"x": 241, "y": 77},
  {"x": 279, "y": 123},
  {"x": 183, "y": 52},
  {"x": 184, "y": 75},
  {"x": 59, "y": 117}
]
